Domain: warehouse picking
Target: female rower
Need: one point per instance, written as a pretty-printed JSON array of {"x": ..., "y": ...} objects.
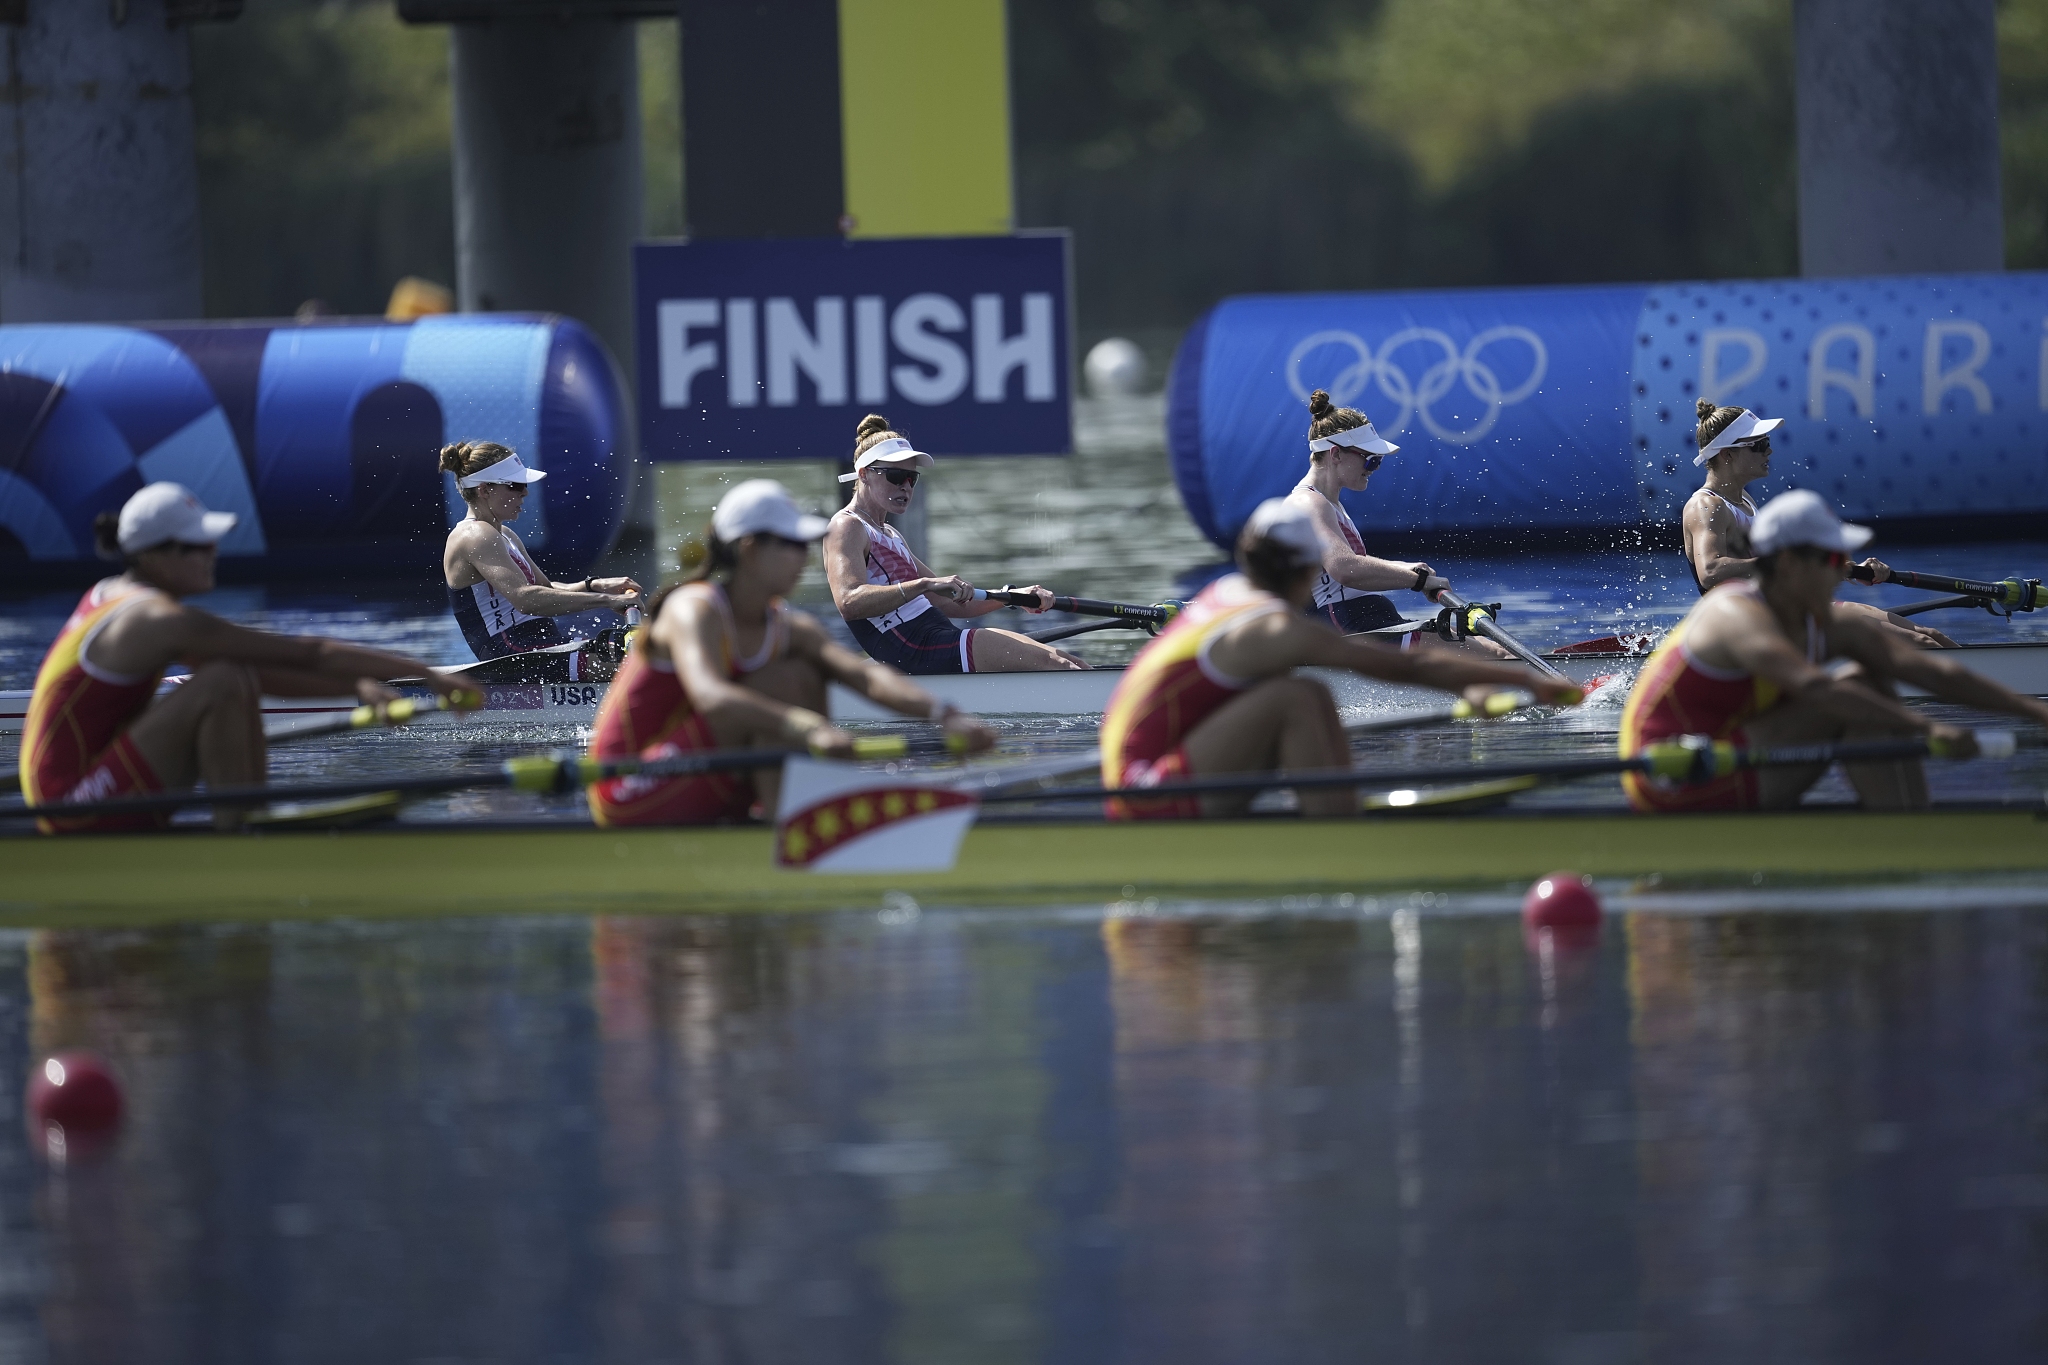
[
  {"x": 1216, "y": 692},
  {"x": 504, "y": 604},
  {"x": 727, "y": 664},
  {"x": 97, "y": 727},
  {"x": 898, "y": 608},
  {"x": 1750, "y": 666},
  {"x": 1735, "y": 446},
  {"x": 1343, "y": 453}
]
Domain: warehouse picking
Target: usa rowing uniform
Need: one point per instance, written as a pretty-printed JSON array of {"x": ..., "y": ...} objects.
[
  {"x": 75, "y": 744},
  {"x": 915, "y": 638},
  {"x": 1168, "y": 690},
  {"x": 1744, "y": 517},
  {"x": 648, "y": 714},
  {"x": 1676, "y": 694},
  {"x": 491, "y": 625},
  {"x": 1348, "y": 609}
]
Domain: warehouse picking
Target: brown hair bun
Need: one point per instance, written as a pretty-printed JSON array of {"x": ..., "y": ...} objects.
[
  {"x": 471, "y": 457},
  {"x": 873, "y": 430},
  {"x": 106, "y": 536},
  {"x": 1327, "y": 420},
  {"x": 1713, "y": 420},
  {"x": 1318, "y": 405}
]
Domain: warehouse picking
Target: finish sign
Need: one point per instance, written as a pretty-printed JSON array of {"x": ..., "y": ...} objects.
[{"x": 764, "y": 350}]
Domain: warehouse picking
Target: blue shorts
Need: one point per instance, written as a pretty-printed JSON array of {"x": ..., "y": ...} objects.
[
  {"x": 927, "y": 643},
  {"x": 1354, "y": 614}
]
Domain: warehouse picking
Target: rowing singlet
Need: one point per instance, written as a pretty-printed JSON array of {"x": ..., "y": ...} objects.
[
  {"x": 1743, "y": 518},
  {"x": 72, "y": 744},
  {"x": 648, "y": 713},
  {"x": 491, "y": 625},
  {"x": 1675, "y": 694},
  {"x": 889, "y": 561},
  {"x": 1169, "y": 689},
  {"x": 1328, "y": 590}
]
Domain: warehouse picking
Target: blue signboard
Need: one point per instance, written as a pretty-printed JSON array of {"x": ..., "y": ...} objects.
[
  {"x": 759, "y": 350},
  {"x": 1571, "y": 409}
]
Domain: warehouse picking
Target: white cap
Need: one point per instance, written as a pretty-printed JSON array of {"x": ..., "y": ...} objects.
[
  {"x": 1747, "y": 427},
  {"x": 511, "y": 469},
  {"x": 1355, "y": 438},
  {"x": 1279, "y": 520},
  {"x": 763, "y": 505},
  {"x": 894, "y": 451},
  {"x": 1803, "y": 517},
  {"x": 165, "y": 512}
]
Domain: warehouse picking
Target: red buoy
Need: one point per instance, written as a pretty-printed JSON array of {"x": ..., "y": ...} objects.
[
  {"x": 77, "y": 1092},
  {"x": 1561, "y": 900}
]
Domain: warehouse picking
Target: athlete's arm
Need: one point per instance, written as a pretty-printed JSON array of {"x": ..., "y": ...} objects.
[
  {"x": 1718, "y": 549},
  {"x": 1738, "y": 632},
  {"x": 485, "y": 552},
  {"x": 1863, "y": 637},
  {"x": 878, "y": 682},
  {"x": 846, "y": 574},
  {"x": 1366, "y": 573},
  {"x": 1285, "y": 640},
  {"x": 145, "y": 637},
  {"x": 693, "y": 634}
]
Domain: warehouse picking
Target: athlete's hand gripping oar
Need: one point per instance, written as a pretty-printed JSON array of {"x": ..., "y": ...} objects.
[
  {"x": 545, "y": 773},
  {"x": 1691, "y": 758},
  {"x": 2007, "y": 596},
  {"x": 1158, "y": 614},
  {"x": 1479, "y": 621},
  {"x": 377, "y": 716}
]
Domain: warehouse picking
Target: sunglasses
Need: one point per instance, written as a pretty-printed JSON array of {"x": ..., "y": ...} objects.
[
  {"x": 1372, "y": 462},
  {"x": 770, "y": 538},
  {"x": 1761, "y": 445},
  {"x": 902, "y": 478},
  {"x": 1813, "y": 554},
  {"x": 186, "y": 547}
]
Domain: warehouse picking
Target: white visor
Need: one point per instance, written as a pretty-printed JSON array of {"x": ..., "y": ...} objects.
[
  {"x": 1803, "y": 517},
  {"x": 511, "y": 469},
  {"x": 1747, "y": 427},
  {"x": 894, "y": 451},
  {"x": 1279, "y": 520},
  {"x": 1357, "y": 438}
]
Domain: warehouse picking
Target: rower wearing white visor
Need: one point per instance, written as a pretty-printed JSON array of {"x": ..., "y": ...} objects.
[
  {"x": 899, "y": 610},
  {"x": 1344, "y": 452},
  {"x": 725, "y": 663},
  {"x": 1735, "y": 448},
  {"x": 502, "y": 601}
]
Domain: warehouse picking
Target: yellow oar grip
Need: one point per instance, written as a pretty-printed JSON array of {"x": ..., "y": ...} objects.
[
  {"x": 465, "y": 699},
  {"x": 880, "y": 746},
  {"x": 1573, "y": 697},
  {"x": 1685, "y": 762}
]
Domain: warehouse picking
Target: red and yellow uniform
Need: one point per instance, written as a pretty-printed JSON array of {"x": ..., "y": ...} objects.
[
  {"x": 648, "y": 714},
  {"x": 1676, "y": 694},
  {"x": 75, "y": 744},
  {"x": 1169, "y": 689}
]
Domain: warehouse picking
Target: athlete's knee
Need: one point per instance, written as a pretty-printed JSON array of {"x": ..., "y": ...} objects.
[{"x": 223, "y": 682}]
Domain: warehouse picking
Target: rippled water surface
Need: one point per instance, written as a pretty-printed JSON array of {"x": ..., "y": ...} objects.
[{"x": 1761, "y": 1127}]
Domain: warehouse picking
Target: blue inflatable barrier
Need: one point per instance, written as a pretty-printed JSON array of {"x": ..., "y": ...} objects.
[
  {"x": 1562, "y": 413},
  {"x": 321, "y": 437}
]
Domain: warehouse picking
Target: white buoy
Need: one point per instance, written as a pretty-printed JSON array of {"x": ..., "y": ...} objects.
[{"x": 1115, "y": 368}]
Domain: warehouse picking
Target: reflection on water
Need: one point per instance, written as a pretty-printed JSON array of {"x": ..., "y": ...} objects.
[{"x": 1370, "y": 1130}]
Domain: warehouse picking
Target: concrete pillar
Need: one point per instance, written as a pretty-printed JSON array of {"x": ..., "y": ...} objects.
[
  {"x": 1898, "y": 137},
  {"x": 547, "y": 189},
  {"x": 99, "y": 188}
]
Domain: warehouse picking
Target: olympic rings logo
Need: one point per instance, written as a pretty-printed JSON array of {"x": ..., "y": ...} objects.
[{"x": 1417, "y": 399}]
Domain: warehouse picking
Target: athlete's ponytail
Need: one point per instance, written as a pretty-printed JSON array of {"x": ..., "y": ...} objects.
[
  {"x": 1713, "y": 420},
  {"x": 471, "y": 457},
  {"x": 1326, "y": 419},
  {"x": 106, "y": 536}
]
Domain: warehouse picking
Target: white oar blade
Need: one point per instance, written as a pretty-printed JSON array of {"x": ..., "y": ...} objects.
[{"x": 833, "y": 818}]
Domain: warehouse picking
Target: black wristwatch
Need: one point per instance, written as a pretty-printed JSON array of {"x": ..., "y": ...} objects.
[{"x": 1421, "y": 579}]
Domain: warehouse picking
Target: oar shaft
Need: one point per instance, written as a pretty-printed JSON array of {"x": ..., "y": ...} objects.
[
  {"x": 1482, "y": 623},
  {"x": 1678, "y": 761},
  {"x": 1080, "y": 606},
  {"x": 2019, "y": 594}
]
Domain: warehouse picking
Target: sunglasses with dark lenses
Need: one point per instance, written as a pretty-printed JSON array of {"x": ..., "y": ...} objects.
[
  {"x": 902, "y": 478},
  {"x": 1761, "y": 445},
  {"x": 186, "y": 547},
  {"x": 771, "y": 538},
  {"x": 1813, "y": 554}
]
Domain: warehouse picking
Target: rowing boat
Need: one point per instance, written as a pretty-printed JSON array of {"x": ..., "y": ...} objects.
[{"x": 430, "y": 870}]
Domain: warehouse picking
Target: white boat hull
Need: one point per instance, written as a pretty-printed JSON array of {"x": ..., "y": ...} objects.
[{"x": 2021, "y": 667}]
